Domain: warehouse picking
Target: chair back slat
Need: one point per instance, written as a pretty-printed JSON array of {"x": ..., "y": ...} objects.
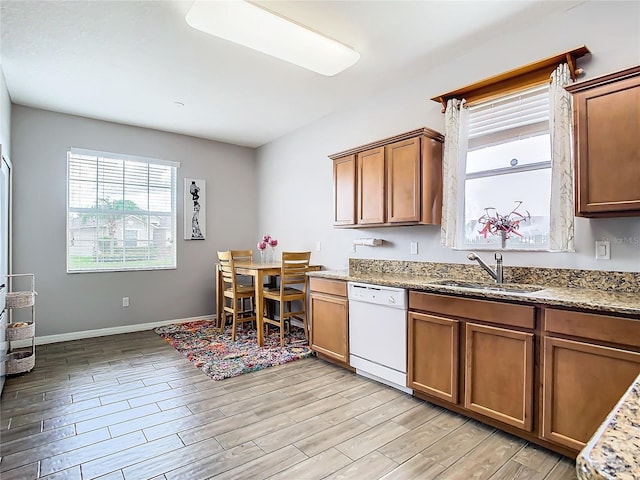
[{"x": 242, "y": 255}]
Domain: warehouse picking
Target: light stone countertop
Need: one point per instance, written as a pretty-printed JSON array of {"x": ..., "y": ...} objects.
[
  {"x": 614, "y": 450},
  {"x": 596, "y": 300}
]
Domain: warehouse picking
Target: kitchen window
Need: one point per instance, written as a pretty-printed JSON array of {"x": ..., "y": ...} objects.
[
  {"x": 508, "y": 166},
  {"x": 121, "y": 212},
  {"x": 516, "y": 148}
]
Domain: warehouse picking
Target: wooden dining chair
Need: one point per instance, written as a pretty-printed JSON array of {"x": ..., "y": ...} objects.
[
  {"x": 293, "y": 287},
  {"x": 235, "y": 294}
]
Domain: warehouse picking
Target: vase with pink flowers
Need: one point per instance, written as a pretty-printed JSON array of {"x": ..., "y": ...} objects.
[
  {"x": 493, "y": 223},
  {"x": 272, "y": 243}
]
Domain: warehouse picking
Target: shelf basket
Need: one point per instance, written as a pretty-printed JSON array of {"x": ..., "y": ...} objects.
[
  {"x": 14, "y": 332},
  {"x": 20, "y": 299},
  {"x": 20, "y": 362}
]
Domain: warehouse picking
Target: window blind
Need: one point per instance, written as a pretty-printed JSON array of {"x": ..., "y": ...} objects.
[
  {"x": 121, "y": 212},
  {"x": 519, "y": 114}
]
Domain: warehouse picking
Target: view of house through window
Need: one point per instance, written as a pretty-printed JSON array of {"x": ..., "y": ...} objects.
[
  {"x": 121, "y": 212},
  {"x": 508, "y": 162}
]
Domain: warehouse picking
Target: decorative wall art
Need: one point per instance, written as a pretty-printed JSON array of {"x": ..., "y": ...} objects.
[{"x": 195, "y": 211}]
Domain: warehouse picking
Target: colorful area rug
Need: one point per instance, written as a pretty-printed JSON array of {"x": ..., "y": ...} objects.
[{"x": 217, "y": 356}]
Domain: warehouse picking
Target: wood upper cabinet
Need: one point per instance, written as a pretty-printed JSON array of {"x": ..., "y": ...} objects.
[
  {"x": 398, "y": 181},
  {"x": 499, "y": 374},
  {"x": 371, "y": 186},
  {"x": 607, "y": 144},
  {"x": 433, "y": 355},
  {"x": 344, "y": 192},
  {"x": 329, "y": 318},
  {"x": 403, "y": 181},
  {"x": 583, "y": 379}
]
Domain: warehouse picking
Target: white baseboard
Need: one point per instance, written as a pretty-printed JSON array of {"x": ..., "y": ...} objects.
[{"x": 101, "y": 332}]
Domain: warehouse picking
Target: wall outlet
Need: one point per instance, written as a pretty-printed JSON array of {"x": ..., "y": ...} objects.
[
  {"x": 603, "y": 250},
  {"x": 318, "y": 246},
  {"x": 413, "y": 248},
  {"x": 125, "y": 301}
]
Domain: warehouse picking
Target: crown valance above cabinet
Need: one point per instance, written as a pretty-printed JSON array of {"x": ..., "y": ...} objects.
[{"x": 394, "y": 181}]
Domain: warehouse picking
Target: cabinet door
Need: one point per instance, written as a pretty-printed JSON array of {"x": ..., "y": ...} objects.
[
  {"x": 330, "y": 326},
  {"x": 582, "y": 382},
  {"x": 344, "y": 190},
  {"x": 433, "y": 356},
  {"x": 431, "y": 161},
  {"x": 608, "y": 148},
  {"x": 499, "y": 374},
  {"x": 371, "y": 187},
  {"x": 403, "y": 181}
]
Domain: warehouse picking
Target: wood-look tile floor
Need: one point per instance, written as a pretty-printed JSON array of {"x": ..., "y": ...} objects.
[{"x": 130, "y": 407}]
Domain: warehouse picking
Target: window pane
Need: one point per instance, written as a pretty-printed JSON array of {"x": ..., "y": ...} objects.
[
  {"x": 160, "y": 199},
  {"x": 502, "y": 192},
  {"x": 525, "y": 152}
]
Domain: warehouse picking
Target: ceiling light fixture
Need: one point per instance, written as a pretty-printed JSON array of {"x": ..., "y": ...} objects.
[{"x": 251, "y": 26}]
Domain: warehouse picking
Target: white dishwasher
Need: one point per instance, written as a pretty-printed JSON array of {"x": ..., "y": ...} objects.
[{"x": 378, "y": 333}]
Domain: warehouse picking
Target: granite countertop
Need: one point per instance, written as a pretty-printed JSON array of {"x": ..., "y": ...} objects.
[
  {"x": 603, "y": 301},
  {"x": 614, "y": 450}
]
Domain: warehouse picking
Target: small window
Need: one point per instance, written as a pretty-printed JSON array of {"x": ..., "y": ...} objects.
[
  {"x": 121, "y": 212},
  {"x": 508, "y": 166}
]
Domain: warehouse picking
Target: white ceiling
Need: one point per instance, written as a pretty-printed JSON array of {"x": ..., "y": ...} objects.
[{"x": 131, "y": 61}]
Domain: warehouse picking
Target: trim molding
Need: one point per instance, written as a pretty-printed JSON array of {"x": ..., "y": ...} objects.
[{"x": 102, "y": 332}]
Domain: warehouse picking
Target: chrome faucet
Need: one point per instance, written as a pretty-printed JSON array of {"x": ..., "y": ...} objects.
[{"x": 497, "y": 274}]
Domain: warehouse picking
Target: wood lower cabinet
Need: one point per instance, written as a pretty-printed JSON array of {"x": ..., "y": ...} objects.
[
  {"x": 583, "y": 382},
  {"x": 583, "y": 379},
  {"x": 499, "y": 374},
  {"x": 433, "y": 355},
  {"x": 607, "y": 144},
  {"x": 329, "y": 319},
  {"x": 546, "y": 374}
]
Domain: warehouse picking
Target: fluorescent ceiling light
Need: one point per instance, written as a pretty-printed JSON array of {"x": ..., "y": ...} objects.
[{"x": 249, "y": 25}]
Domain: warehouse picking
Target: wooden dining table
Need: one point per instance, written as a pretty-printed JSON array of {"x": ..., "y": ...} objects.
[{"x": 259, "y": 271}]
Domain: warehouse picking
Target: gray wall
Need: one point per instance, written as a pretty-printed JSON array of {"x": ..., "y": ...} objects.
[
  {"x": 77, "y": 302},
  {"x": 611, "y": 30}
]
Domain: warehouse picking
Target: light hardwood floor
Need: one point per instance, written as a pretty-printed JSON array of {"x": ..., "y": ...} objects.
[{"x": 129, "y": 406}]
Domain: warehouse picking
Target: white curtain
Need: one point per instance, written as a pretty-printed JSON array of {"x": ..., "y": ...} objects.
[
  {"x": 561, "y": 234},
  {"x": 456, "y": 119}
]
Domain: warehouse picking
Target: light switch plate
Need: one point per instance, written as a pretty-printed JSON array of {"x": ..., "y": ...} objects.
[{"x": 603, "y": 250}]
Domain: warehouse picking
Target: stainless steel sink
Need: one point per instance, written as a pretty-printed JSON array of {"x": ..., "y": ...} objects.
[{"x": 502, "y": 287}]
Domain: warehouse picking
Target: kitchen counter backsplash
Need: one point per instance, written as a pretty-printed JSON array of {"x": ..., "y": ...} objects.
[{"x": 620, "y": 282}]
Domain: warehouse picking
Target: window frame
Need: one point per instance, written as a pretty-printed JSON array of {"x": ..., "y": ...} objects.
[
  {"x": 96, "y": 211},
  {"x": 491, "y": 139}
]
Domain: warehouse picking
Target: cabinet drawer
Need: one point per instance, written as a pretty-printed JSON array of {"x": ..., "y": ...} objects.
[
  {"x": 485, "y": 310},
  {"x": 331, "y": 287},
  {"x": 607, "y": 328}
]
